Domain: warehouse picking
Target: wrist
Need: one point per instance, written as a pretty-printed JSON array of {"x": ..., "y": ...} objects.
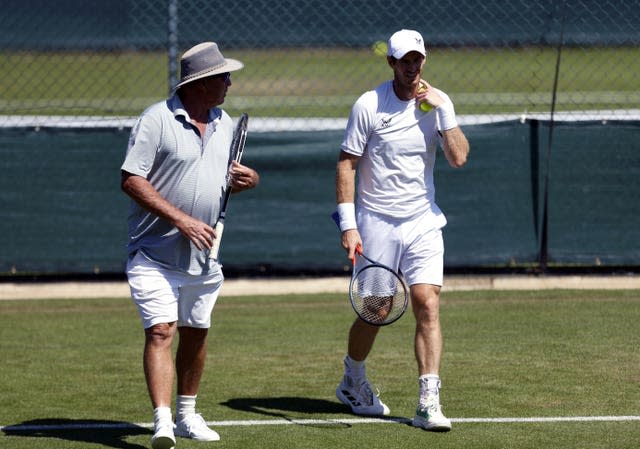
[
  {"x": 347, "y": 216},
  {"x": 446, "y": 116}
]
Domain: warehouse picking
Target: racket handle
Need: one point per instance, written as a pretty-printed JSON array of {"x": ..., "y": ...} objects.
[{"x": 215, "y": 248}]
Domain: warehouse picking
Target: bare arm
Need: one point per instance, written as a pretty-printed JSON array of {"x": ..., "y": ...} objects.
[
  {"x": 456, "y": 147},
  {"x": 143, "y": 193},
  {"x": 346, "y": 193},
  {"x": 346, "y": 178}
]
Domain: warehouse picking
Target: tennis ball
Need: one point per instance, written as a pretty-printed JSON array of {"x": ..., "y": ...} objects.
[
  {"x": 379, "y": 48},
  {"x": 424, "y": 106}
]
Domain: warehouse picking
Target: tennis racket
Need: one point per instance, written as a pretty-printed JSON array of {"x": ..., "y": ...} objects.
[
  {"x": 237, "y": 147},
  {"x": 378, "y": 293}
]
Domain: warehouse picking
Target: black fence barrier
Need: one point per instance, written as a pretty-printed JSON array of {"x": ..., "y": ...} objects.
[{"x": 62, "y": 210}]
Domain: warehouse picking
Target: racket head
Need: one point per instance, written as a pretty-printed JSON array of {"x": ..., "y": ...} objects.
[
  {"x": 239, "y": 138},
  {"x": 235, "y": 154},
  {"x": 378, "y": 295}
]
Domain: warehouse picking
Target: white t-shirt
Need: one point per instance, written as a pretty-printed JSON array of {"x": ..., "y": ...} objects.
[{"x": 397, "y": 144}]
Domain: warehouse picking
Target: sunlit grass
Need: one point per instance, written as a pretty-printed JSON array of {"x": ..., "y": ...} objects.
[
  {"x": 507, "y": 354},
  {"x": 324, "y": 82}
]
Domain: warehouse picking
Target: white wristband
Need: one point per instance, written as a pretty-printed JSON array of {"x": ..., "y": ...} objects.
[
  {"x": 347, "y": 214},
  {"x": 446, "y": 116}
]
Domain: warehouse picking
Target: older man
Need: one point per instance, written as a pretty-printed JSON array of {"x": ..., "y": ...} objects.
[{"x": 175, "y": 172}]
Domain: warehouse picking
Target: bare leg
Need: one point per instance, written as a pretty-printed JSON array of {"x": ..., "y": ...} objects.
[
  {"x": 190, "y": 358},
  {"x": 158, "y": 363},
  {"x": 361, "y": 339},
  {"x": 425, "y": 300},
  {"x": 354, "y": 390}
]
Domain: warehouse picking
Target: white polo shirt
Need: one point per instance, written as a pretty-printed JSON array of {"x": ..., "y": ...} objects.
[{"x": 397, "y": 144}]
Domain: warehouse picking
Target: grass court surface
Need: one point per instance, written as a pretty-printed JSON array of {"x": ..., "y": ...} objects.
[{"x": 521, "y": 369}]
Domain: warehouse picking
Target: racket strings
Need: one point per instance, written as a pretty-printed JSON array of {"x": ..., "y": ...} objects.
[{"x": 378, "y": 295}]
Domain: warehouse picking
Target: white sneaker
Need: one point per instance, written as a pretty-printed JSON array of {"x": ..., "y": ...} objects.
[
  {"x": 359, "y": 396},
  {"x": 194, "y": 426},
  {"x": 163, "y": 438},
  {"x": 430, "y": 417}
]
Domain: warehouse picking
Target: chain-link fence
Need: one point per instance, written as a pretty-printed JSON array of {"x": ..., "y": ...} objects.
[
  {"x": 509, "y": 66},
  {"x": 94, "y": 59}
]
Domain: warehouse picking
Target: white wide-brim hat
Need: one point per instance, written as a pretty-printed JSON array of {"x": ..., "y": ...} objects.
[{"x": 204, "y": 60}]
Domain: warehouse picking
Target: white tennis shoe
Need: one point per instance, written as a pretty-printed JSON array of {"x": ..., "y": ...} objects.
[
  {"x": 359, "y": 395},
  {"x": 194, "y": 426},
  {"x": 163, "y": 438},
  {"x": 429, "y": 416}
]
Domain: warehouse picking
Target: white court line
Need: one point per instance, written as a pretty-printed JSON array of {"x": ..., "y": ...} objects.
[{"x": 348, "y": 421}]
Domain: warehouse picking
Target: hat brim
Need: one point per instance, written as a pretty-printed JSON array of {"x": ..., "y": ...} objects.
[{"x": 230, "y": 65}]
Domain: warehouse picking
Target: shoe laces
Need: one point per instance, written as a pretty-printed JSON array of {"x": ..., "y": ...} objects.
[
  {"x": 193, "y": 420},
  {"x": 365, "y": 392},
  {"x": 431, "y": 405},
  {"x": 163, "y": 425}
]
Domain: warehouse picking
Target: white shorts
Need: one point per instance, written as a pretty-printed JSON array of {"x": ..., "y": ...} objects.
[
  {"x": 164, "y": 296},
  {"x": 413, "y": 246}
]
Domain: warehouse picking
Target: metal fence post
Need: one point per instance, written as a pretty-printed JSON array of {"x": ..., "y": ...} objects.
[{"x": 172, "y": 42}]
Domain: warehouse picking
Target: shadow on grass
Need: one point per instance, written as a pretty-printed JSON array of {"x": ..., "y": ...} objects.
[
  {"x": 285, "y": 407},
  {"x": 274, "y": 406},
  {"x": 108, "y": 433}
]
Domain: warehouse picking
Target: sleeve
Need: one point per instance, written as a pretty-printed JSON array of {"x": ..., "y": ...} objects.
[
  {"x": 143, "y": 146},
  {"x": 359, "y": 126}
]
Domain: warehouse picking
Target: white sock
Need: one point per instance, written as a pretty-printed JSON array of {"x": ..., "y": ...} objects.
[
  {"x": 185, "y": 405},
  {"x": 353, "y": 368},
  {"x": 161, "y": 415},
  {"x": 429, "y": 386}
]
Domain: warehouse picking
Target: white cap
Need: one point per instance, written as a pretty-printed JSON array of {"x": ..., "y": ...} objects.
[{"x": 404, "y": 41}]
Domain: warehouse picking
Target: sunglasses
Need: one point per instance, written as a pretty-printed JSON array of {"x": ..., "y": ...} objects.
[{"x": 225, "y": 76}]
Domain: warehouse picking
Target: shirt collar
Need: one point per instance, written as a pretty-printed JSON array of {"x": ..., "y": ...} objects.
[{"x": 179, "y": 112}]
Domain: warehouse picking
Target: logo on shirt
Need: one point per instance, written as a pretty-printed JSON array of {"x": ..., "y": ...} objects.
[{"x": 385, "y": 122}]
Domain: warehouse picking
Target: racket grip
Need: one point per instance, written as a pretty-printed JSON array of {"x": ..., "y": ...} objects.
[
  {"x": 215, "y": 248},
  {"x": 357, "y": 251}
]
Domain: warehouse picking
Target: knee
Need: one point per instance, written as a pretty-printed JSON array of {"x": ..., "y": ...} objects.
[
  {"x": 160, "y": 334},
  {"x": 427, "y": 313},
  {"x": 426, "y": 306}
]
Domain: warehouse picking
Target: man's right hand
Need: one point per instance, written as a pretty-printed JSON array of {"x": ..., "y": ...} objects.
[
  {"x": 199, "y": 232},
  {"x": 350, "y": 241}
]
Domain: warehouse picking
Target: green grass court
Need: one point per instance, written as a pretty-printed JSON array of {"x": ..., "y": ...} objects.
[
  {"x": 324, "y": 82},
  {"x": 74, "y": 365}
]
